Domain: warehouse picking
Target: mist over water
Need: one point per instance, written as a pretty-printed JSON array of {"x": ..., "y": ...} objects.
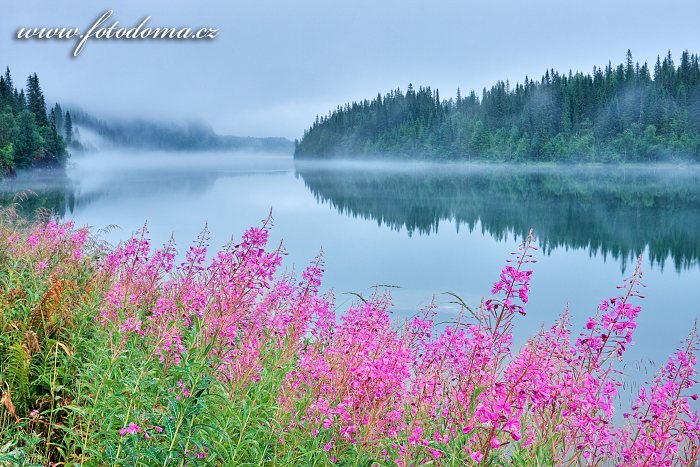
[{"x": 425, "y": 228}]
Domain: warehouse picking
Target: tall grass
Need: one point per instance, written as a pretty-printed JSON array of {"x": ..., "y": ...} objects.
[{"x": 123, "y": 356}]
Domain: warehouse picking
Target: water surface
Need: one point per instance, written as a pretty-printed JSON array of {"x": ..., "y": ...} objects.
[{"x": 426, "y": 229}]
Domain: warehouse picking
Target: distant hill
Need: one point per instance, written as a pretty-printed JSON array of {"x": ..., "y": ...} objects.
[
  {"x": 193, "y": 136},
  {"x": 624, "y": 113}
]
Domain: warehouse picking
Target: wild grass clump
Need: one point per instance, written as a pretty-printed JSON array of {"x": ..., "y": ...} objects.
[
  {"x": 49, "y": 290},
  {"x": 129, "y": 357}
]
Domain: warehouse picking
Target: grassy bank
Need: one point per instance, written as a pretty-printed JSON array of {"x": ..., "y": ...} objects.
[{"x": 125, "y": 356}]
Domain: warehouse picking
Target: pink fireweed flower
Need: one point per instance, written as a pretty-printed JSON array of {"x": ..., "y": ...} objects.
[
  {"x": 42, "y": 265},
  {"x": 131, "y": 429},
  {"x": 185, "y": 391},
  {"x": 33, "y": 240},
  {"x": 591, "y": 323},
  {"x": 411, "y": 392},
  {"x": 662, "y": 424},
  {"x": 514, "y": 281},
  {"x": 437, "y": 454}
]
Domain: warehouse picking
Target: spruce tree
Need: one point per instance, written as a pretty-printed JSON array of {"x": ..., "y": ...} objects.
[
  {"x": 68, "y": 129},
  {"x": 58, "y": 119},
  {"x": 29, "y": 143},
  {"x": 6, "y": 96},
  {"x": 574, "y": 116},
  {"x": 35, "y": 100}
]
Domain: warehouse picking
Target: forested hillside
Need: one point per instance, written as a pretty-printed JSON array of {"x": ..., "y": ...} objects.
[
  {"x": 193, "y": 136},
  {"x": 627, "y": 113},
  {"x": 29, "y": 135}
]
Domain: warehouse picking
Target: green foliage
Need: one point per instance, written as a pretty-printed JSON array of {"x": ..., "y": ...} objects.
[
  {"x": 88, "y": 375},
  {"x": 46, "y": 300},
  {"x": 28, "y": 135},
  {"x": 618, "y": 114},
  {"x": 6, "y": 155}
]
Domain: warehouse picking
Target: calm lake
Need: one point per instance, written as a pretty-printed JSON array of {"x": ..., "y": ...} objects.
[{"x": 424, "y": 228}]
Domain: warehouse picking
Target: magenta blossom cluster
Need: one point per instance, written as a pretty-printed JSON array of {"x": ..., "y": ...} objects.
[
  {"x": 405, "y": 393},
  {"x": 52, "y": 247}
]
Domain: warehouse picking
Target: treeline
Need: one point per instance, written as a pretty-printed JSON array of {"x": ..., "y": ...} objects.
[
  {"x": 618, "y": 114},
  {"x": 194, "y": 136},
  {"x": 29, "y": 135}
]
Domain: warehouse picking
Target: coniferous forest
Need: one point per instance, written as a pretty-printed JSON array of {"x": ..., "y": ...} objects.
[
  {"x": 29, "y": 135},
  {"x": 627, "y": 113}
]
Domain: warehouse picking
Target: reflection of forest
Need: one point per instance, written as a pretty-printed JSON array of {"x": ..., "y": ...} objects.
[
  {"x": 46, "y": 190},
  {"x": 55, "y": 191},
  {"x": 609, "y": 210}
]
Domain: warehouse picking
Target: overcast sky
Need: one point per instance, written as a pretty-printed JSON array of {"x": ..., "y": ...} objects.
[{"x": 276, "y": 64}]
